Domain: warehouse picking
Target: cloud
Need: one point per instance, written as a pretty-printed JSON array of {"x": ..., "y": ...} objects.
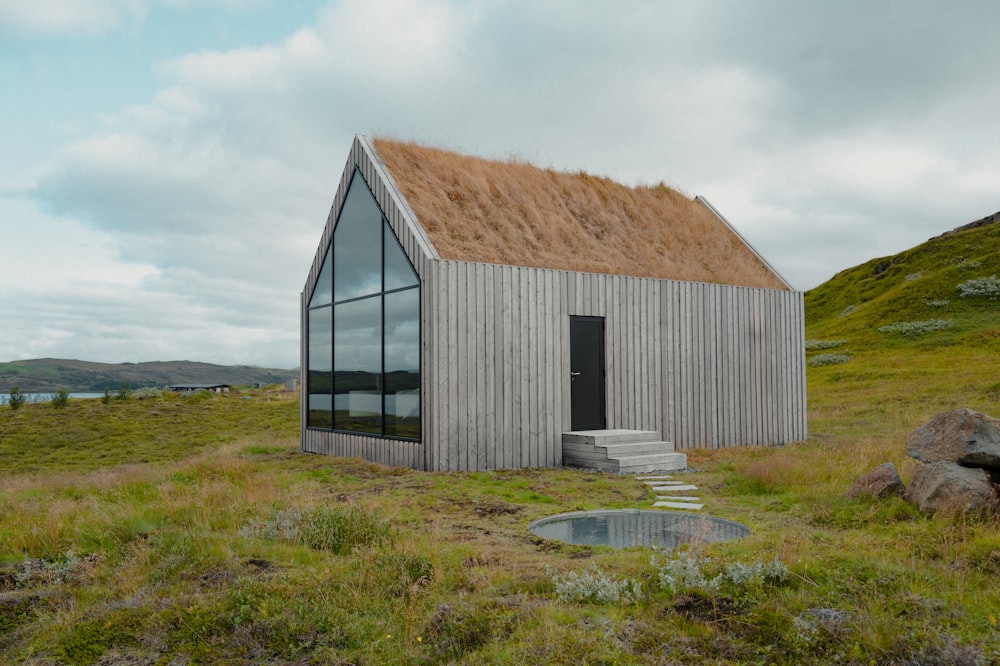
[
  {"x": 824, "y": 138},
  {"x": 71, "y": 17}
]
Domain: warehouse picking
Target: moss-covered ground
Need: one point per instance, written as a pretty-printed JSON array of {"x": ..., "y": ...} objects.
[{"x": 179, "y": 531}]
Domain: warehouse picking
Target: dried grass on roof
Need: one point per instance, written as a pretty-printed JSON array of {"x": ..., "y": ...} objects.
[{"x": 515, "y": 213}]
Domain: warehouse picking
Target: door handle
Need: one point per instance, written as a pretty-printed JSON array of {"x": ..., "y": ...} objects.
[{"x": 574, "y": 374}]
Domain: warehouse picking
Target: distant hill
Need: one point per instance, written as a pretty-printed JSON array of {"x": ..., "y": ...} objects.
[
  {"x": 51, "y": 374},
  {"x": 941, "y": 293}
]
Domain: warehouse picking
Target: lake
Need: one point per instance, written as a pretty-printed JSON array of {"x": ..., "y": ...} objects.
[{"x": 45, "y": 397}]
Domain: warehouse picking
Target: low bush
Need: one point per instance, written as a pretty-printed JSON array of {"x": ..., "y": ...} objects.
[
  {"x": 16, "y": 398},
  {"x": 595, "y": 587},
  {"x": 988, "y": 287},
  {"x": 321, "y": 528},
  {"x": 60, "y": 399},
  {"x": 816, "y": 345},
  {"x": 686, "y": 572},
  {"x": 937, "y": 302},
  {"x": 914, "y": 328},
  {"x": 828, "y": 359}
]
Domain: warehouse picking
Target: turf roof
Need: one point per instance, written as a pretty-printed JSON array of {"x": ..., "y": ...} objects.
[{"x": 512, "y": 212}]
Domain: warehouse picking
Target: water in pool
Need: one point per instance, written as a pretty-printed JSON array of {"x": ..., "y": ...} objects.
[{"x": 625, "y": 528}]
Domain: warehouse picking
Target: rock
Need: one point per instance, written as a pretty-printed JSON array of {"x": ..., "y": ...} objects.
[
  {"x": 948, "y": 486},
  {"x": 961, "y": 436},
  {"x": 883, "y": 481}
]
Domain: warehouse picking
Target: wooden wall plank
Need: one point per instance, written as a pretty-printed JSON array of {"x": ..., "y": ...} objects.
[{"x": 706, "y": 365}]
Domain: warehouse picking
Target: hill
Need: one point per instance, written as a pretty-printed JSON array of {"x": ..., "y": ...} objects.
[
  {"x": 930, "y": 281},
  {"x": 908, "y": 335},
  {"x": 51, "y": 374}
]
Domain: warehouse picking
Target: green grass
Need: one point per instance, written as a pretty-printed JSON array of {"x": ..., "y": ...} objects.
[{"x": 192, "y": 531}]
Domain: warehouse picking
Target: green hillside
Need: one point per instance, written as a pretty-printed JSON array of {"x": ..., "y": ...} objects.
[
  {"x": 921, "y": 284},
  {"x": 908, "y": 336}
]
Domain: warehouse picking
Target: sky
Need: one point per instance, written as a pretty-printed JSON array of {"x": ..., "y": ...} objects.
[{"x": 167, "y": 166}]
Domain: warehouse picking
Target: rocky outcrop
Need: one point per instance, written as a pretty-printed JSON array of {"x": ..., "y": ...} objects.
[
  {"x": 949, "y": 487},
  {"x": 961, "y": 436},
  {"x": 960, "y": 455},
  {"x": 883, "y": 481}
]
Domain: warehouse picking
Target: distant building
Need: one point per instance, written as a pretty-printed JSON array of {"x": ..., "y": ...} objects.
[
  {"x": 190, "y": 388},
  {"x": 465, "y": 314}
]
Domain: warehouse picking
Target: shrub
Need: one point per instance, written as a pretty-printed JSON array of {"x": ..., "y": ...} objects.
[
  {"x": 123, "y": 391},
  {"x": 106, "y": 398},
  {"x": 936, "y": 302},
  {"x": 968, "y": 264},
  {"x": 813, "y": 345},
  {"x": 989, "y": 287},
  {"x": 686, "y": 573},
  {"x": 828, "y": 359},
  {"x": 595, "y": 587},
  {"x": 914, "y": 328},
  {"x": 16, "y": 398},
  {"x": 322, "y": 528},
  {"x": 60, "y": 399}
]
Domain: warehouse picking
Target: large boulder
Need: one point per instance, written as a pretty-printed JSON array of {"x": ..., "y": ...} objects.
[
  {"x": 882, "y": 481},
  {"x": 961, "y": 436},
  {"x": 947, "y": 486}
]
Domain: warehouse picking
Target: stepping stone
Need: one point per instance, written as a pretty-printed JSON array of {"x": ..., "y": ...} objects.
[
  {"x": 664, "y": 483},
  {"x": 661, "y": 476},
  {"x": 679, "y": 505},
  {"x": 677, "y": 498},
  {"x": 669, "y": 489}
]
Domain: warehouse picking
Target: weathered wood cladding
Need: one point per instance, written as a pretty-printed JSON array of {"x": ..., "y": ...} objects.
[{"x": 707, "y": 365}]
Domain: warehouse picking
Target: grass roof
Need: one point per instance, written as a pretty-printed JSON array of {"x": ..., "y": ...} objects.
[{"x": 512, "y": 212}]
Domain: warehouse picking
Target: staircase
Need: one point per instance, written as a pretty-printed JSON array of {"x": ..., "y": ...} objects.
[{"x": 621, "y": 451}]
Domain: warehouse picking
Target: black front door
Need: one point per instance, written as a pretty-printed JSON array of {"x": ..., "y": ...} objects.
[{"x": 586, "y": 353}]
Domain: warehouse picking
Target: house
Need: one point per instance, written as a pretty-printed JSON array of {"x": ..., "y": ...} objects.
[
  {"x": 191, "y": 388},
  {"x": 468, "y": 314}
]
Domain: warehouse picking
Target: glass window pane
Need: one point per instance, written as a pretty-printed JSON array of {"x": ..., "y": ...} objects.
[
  {"x": 357, "y": 244},
  {"x": 398, "y": 271},
  {"x": 320, "y": 376},
  {"x": 402, "y": 364},
  {"x": 357, "y": 361},
  {"x": 323, "y": 291}
]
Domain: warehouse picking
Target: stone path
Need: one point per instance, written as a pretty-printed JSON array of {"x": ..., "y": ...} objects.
[{"x": 664, "y": 483}]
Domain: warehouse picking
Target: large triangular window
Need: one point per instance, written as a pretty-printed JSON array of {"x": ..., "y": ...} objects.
[{"x": 364, "y": 327}]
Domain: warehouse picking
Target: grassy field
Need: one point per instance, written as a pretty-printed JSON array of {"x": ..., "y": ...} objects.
[
  {"x": 229, "y": 546},
  {"x": 177, "y": 530}
]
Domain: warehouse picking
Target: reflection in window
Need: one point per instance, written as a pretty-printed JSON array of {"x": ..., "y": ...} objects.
[
  {"x": 398, "y": 271},
  {"x": 402, "y": 363},
  {"x": 320, "y": 376},
  {"x": 323, "y": 291},
  {"x": 364, "y": 328},
  {"x": 357, "y": 244},
  {"x": 357, "y": 356}
]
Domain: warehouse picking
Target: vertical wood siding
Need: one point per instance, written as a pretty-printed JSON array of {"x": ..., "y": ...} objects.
[{"x": 706, "y": 365}]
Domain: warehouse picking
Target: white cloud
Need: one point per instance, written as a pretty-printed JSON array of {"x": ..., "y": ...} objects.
[
  {"x": 71, "y": 17},
  {"x": 205, "y": 202}
]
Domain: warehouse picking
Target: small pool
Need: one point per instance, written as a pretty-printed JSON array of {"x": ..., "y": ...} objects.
[{"x": 624, "y": 528}]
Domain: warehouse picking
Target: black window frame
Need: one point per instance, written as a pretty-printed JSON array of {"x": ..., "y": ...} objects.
[{"x": 329, "y": 254}]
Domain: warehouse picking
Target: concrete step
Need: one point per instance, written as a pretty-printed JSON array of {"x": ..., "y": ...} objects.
[
  {"x": 658, "y": 462},
  {"x": 614, "y": 436},
  {"x": 641, "y": 448},
  {"x": 622, "y": 449}
]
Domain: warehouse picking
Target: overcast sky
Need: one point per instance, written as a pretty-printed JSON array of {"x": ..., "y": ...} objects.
[{"x": 166, "y": 166}]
